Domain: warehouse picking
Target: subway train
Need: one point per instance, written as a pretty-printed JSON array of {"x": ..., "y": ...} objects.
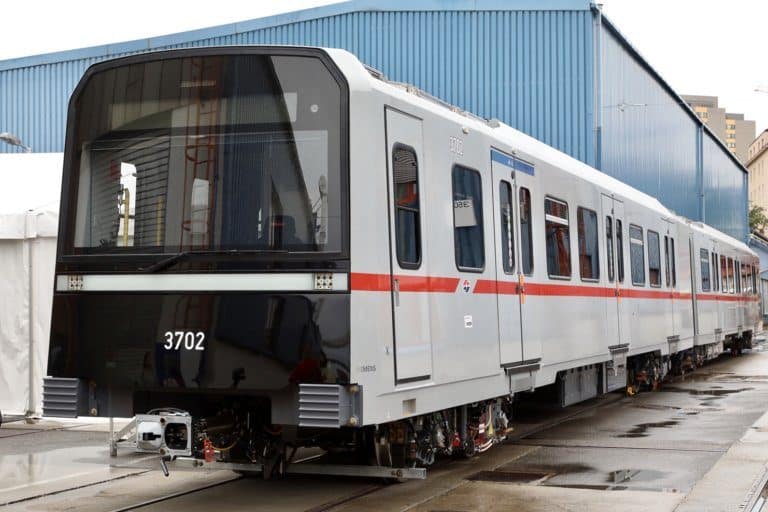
[{"x": 263, "y": 248}]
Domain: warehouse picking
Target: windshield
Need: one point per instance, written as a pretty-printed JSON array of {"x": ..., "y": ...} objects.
[{"x": 207, "y": 153}]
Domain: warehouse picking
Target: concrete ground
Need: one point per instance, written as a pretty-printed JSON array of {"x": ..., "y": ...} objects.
[{"x": 700, "y": 444}]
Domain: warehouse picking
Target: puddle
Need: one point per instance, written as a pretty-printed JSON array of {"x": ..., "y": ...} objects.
[
  {"x": 25, "y": 469},
  {"x": 509, "y": 477},
  {"x": 641, "y": 430},
  {"x": 710, "y": 393},
  {"x": 655, "y": 407}
]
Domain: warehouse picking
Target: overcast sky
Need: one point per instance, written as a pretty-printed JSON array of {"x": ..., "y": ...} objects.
[{"x": 698, "y": 46}]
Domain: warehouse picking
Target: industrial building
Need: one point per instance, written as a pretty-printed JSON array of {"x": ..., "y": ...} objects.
[
  {"x": 556, "y": 69},
  {"x": 736, "y": 132}
]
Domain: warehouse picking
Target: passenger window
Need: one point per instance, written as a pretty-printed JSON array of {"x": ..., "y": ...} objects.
[
  {"x": 609, "y": 247},
  {"x": 620, "y": 250},
  {"x": 673, "y": 258},
  {"x": 507, "y": 238},
  {"x": 557, "y": 238},
  {"x": 405, "y": 169},
  {"x": 637, "y": 255},
  {"x": 755, "y": 280},
  {"x": 468, "y": 219},
  {"x": 705, "y": 278},
  {"x": 654, "y": 259},
  {"x": 667, "y": 270},
  {"x": 723, "y": 274},
  {"x": 526, "y": 240},
  {"x": 715, "y": 278},
  {"x": 589, "y": 244},
  {"x": 737, "y": 275},
  {"x": 730, "y": 275}
]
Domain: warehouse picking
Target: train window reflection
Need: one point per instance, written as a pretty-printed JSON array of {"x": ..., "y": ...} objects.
[
  {"x": 620, "y": 250},
  {"x": 557, "y": 238},
  {"x": 654, "y": 259},
  {"x": 637, "y": 255},
  {"x": 405, "y": 169},
  {"x": 705, "y": 277},
  {"x": 507, "y": 238},
  {"x": 609, "y": 247},
  {"x": 468, "y": 219},
  {"x": 526, "y": 240},
  {"x": 589, "y": 260}
]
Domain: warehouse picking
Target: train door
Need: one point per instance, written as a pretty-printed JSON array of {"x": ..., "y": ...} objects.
[
  {"x": 612, "y": 303},
  {"x": 408, "y": 261},
  {"x": 524, "y": 181},
  {"x": 670, "y": 275},
  {"x": 507, "y": 276}
]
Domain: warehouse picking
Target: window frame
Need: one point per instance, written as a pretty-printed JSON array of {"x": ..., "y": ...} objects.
[
  {"x": 481, "y": 221},
  {"x": 642, "y": 245},
  {"x": 704, "y": 253},
  {"x": 648, "y": 234},
  {"x": 579, "y": 210},
  {"x": 561, "y": 222},
  {"x": 507, "y": 253},
  {"x": 620, "y": 270},
  {"x": 530, "y": 246},
  {"x": 407, "y": 265},
  {"x": 610, "y": 249}
]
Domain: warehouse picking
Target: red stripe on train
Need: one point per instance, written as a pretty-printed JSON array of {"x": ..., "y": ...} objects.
[{"x": 383, "y": 283}]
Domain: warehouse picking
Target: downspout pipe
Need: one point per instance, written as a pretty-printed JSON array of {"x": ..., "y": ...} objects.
[{"x": 597, "y": 78}]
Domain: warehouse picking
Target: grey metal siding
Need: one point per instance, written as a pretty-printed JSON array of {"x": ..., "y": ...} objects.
[
  {"x": 648, "y": 139},
  {"x": 531, "y": 69},
  {"x": 651, "y": 141},
  {"x": 725, "y": 191}
]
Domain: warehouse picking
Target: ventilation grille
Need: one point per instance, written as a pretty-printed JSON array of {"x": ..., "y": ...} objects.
[
  {"x": 320, "y": 405},
  {"x": 61, "y": 397}
]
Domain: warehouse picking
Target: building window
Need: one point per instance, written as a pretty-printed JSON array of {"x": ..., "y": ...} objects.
[
  {"x": 526, "y": 240},
  {"x": 507, "y": 238},
  {"x": 589, "y": 244},
  {"x": 557, "y": 238},
  {"x": 468, "y": 219},
  {"x": 407, "y": 211},
  {"x": 654, "y": 259},
  {"x": 705, "y": 280},
  {"x": 637, "y": 255}
]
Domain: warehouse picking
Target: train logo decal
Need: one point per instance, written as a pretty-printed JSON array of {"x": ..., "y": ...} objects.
[{"x": 466, "y": 286}]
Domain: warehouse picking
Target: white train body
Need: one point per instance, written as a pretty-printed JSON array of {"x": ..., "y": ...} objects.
[
  {"x": 279, "y": 237},
  {"x": 437, "y": 343}
]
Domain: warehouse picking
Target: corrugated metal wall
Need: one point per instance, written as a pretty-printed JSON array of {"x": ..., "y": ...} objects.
[
  {"x": 725, "y": 191},
  {"x": 650, "y": 140},
  {"x": 531, "y": 69}
]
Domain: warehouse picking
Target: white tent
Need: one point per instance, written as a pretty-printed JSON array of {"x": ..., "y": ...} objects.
[{"x": 30, "y": 187}]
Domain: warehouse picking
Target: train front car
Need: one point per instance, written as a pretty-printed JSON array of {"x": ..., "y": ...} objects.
[{"x": 202, "y": 267}]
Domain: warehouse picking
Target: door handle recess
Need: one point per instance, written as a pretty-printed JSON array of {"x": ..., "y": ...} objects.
[{"x": 396, "y": 291}]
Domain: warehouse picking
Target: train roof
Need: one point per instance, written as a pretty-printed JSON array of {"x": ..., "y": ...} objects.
[{"x": 529, "y": 147}]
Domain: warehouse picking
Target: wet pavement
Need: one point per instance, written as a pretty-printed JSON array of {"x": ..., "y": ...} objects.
[{"x": 697, "y": 444}]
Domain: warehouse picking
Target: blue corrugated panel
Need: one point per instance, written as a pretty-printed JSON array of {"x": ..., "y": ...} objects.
[
  {"x": 648, "y": 138},
  {"x": 651, "y": 139},
  {"x": 725, "y": 191},
  {"x": 532, "y": 69}
]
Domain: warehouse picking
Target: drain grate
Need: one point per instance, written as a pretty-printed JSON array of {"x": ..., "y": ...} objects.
[{"x": 509, "y": 477}]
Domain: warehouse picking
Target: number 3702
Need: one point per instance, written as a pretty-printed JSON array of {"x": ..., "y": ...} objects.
[{"x": 187, "y": 340}]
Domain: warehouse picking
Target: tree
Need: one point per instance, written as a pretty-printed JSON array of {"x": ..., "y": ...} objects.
[{"x": 758, "y": 219}]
